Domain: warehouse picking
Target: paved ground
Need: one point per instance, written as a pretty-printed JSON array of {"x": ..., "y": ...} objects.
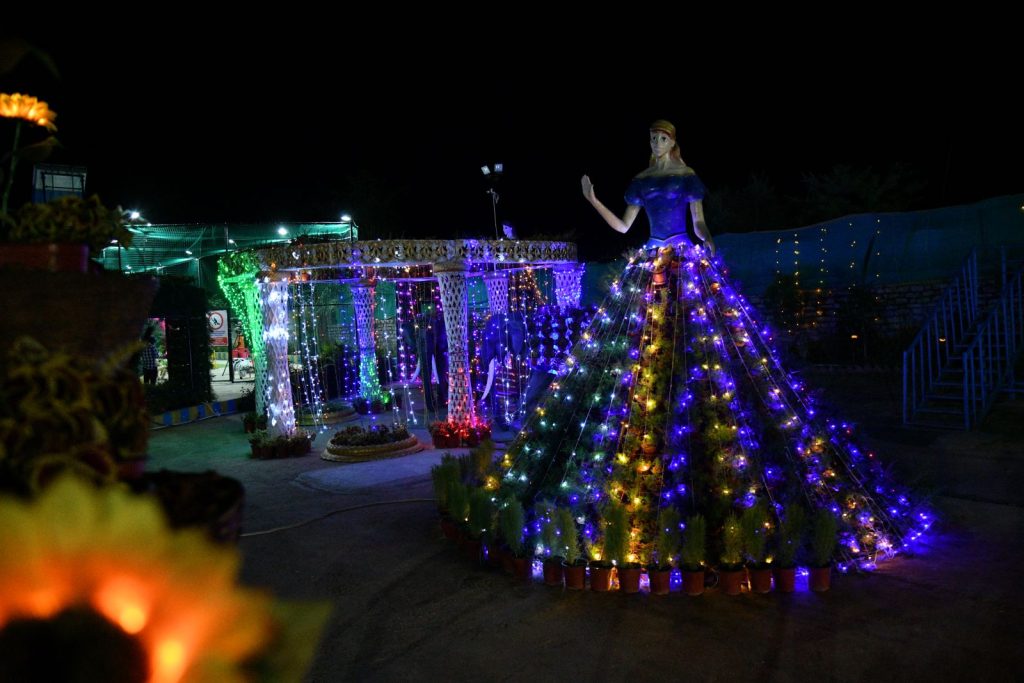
[{"x": 409, "y": 607}]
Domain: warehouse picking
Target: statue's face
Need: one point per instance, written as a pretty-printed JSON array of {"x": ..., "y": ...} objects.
[{"x": 661, "y": 143}]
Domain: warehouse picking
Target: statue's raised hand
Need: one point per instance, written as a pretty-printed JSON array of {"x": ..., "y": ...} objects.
[{"x": 588, "y": 189}]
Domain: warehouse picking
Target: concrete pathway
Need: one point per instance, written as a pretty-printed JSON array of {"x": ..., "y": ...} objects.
[{"x": 410, "y": 607}]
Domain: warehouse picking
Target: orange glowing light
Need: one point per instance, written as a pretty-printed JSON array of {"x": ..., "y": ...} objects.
[
  {"x": 117, "y": 554},
  {"x": 31, "y": 109}
]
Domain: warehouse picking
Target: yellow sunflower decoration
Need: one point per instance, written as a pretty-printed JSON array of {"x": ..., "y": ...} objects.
[
  {"x": 34, "y": 110},
  {"x": 169, "y": 596}
]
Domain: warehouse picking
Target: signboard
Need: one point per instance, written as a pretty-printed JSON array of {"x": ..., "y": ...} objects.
[{"x": 217, "y": 321}]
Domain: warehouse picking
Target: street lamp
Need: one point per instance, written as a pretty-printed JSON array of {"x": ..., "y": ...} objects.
[{"x": 493, "y": 175}]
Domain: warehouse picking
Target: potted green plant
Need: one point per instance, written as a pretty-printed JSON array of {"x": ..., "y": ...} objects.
[
  {"x": 480, "y": 520},
  {"x": 511, "y": 520},
  {"x": 458, "y": 504},
  {"x": 59, "y": 235},
  {"x": 823, "y": 545},
  {"x": 574, "y": 567},
  {"x": 441, "y": 476},
  {"x": 249, "y": 422},
  {"x": 787, "y": 544},
  {"x": 546, "y": 517},
  {"x": 666, "y": 546},
  {"x": 693, "y": 554},
  {"x": 730, "y": 570},
  {"x": 615, "y": 545},
  {"x": 259, "y": 442},
  {"x": 755, "y": 529}
]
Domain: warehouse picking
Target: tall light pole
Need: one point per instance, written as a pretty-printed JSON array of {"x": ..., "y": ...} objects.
[{"x": 493, "y": 176}]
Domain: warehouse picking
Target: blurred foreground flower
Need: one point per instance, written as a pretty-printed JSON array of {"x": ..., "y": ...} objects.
[
  {"x": 31, "y": 109},
  {"x": 92, "y": 579}
]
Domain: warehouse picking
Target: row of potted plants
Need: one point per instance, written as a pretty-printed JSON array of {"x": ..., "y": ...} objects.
[
  {"x": 266, "y": 447},
  {"x": 454, "y": 435},
  {"x": 752, "y": 552}
]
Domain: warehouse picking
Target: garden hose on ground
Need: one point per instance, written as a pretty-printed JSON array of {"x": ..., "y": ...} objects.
[{"x": 334, "y": 512}]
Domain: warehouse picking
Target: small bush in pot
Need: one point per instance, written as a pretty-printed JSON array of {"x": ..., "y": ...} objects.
[
  {"x": 788, "y": 542},
  {"x": 575, "y": 567},
  {"x": 694, "y": 554},
  {"x": 755, "y": 528},
  {"x": 666, "y": 547},
  {"x": 730, "y": 569},
  {"x": 824, "y": 536}
]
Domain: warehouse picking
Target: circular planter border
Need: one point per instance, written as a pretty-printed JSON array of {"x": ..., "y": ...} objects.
[{"x": 376, "y": 452}]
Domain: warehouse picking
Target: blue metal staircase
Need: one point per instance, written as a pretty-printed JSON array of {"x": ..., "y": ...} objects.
[{"x": 964, "y": 357}]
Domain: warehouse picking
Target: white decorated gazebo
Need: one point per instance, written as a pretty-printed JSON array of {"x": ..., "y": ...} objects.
[{"x": 361, "y": 265}]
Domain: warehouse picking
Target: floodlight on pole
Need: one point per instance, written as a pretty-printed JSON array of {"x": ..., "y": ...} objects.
[{"x": 493, "y": 176}]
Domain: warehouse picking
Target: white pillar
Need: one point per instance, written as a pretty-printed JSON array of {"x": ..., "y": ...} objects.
[
  {"x": 363, "y": 299},
  {"x": 281, "y": 411},
  {"x": 569, "y": 285},
  {"x": 451, "y": 276}
]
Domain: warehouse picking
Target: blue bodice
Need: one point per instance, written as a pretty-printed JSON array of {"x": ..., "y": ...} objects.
[{"x": 666, "y": 199}]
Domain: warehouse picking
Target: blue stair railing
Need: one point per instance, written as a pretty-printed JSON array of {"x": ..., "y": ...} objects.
[
  {"x": 989, "y": 360},
  {"x": 942, "y": 337}
]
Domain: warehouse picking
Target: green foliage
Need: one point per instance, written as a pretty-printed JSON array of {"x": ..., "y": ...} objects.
[
  {"x": 376, "y": 435},
  {"x": 755, "y": 533},
  {"x": 667, "y": 543},
  {"x": 695, "y": 543},
  {"x": 69, "y": 219},
  {"x": 569, "y": 535},
  {"x": 824, "y": 536},
  {"x": 545, "y": 512},
  {"x": 481, "y": 512},
  {"x": 442, "y": 475},
  {"x": 790, "y": 536},
  {"x": 732, "y": 541},
  {"x": 482, "y": 460},
  {"x": 616, "y": 533},
  {"x": 511, "y": 520},
  {"x": 238, "y": 263},
  {"x": 458, "y": 501}
]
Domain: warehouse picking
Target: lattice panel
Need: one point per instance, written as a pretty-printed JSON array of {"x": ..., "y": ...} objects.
[
  {"x": 569, "y": 286},
  {"x": 281, "y": 411},
  {"x": 455, "y": 304},
  {"x": 497, "y": 293},
  {"x": 363, "y": 298}
]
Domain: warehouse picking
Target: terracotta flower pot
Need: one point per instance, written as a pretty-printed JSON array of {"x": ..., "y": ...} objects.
[
  {"x": 785, "y": 579},
  {"x": 522, "y": 567},
  {"x": 508, "y": 561},
  {"x": 575, "y": 576},
  {"x": 553, "y": 572},
  {"x": 57, "y": 257},
  {"x": 760, "y": 580},
  {"x": 600, "y": 578},
  {"x": 661, "y": 580},
  {"x": 629, "y": 579},
  {"x": 731, "y": 581},
  {"x": 693, "y": 582},
  {"x": 471, "y": 548},
  {"x": 131, "y": 469},
  {"x": 821, "y": 579},
  {"x": 492, "y": 556},
  {"x": 449, "y": 529}
]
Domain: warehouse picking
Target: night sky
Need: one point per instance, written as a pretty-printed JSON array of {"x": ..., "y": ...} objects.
[{"x": 217, "y": 128}]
